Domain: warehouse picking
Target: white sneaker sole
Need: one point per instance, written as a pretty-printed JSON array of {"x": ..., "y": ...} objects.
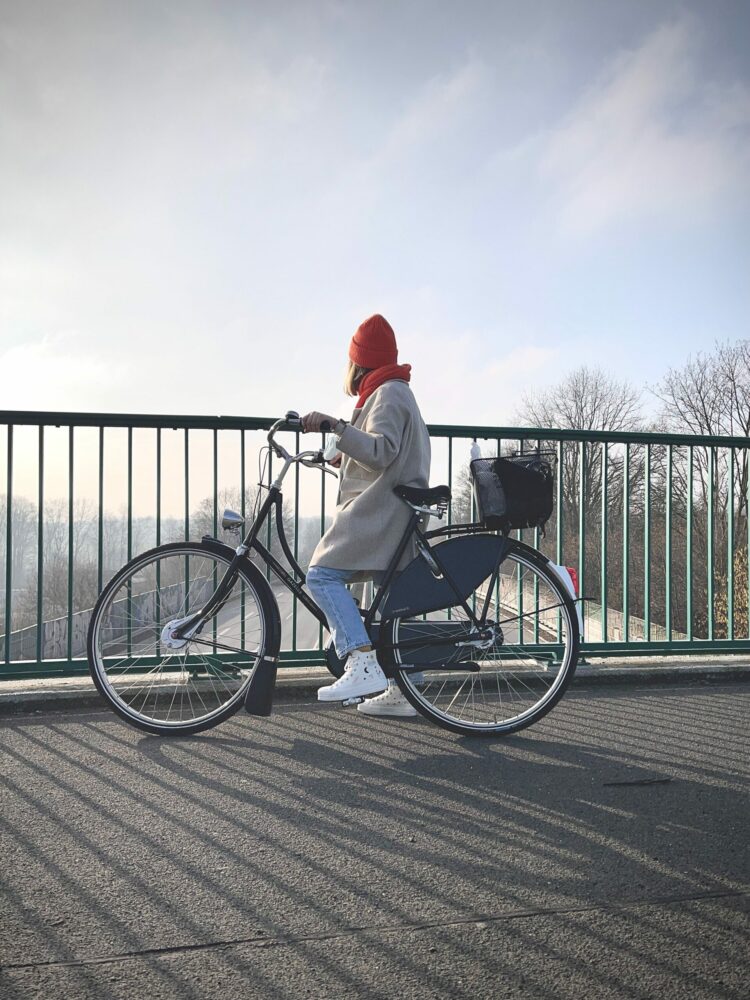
[
  {"x": 394, "y": 711},
  {"x": 360, "y": 690}
]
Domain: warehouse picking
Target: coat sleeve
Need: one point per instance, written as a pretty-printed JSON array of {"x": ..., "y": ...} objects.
[{"x": 376, "y": 448}]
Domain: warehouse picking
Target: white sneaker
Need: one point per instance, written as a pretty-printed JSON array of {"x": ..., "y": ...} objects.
[
  {"x": 390, "y": 702},
  {"x": 362, "y": 676}
]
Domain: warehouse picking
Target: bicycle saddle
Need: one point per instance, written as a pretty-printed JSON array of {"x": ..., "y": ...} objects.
[{"x": 425, "y": 497}]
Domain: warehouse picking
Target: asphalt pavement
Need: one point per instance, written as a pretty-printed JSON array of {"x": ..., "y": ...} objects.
[{"x": 601, "y": 853}]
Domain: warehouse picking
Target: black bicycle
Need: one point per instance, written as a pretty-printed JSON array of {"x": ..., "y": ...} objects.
[{"x": 479, "y": 631}]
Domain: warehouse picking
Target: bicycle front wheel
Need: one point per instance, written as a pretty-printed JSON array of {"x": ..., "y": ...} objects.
[
  {"x": 505, "y": 676},
  {"x": 176, "y": 687}
]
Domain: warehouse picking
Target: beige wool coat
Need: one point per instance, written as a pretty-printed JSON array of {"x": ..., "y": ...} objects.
[{"x": 385, "y": 445}]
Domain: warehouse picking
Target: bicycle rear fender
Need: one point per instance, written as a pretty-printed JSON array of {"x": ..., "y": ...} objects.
[
  {"x": 259, "y": 696},
  {"x": 562, "y": 576}
]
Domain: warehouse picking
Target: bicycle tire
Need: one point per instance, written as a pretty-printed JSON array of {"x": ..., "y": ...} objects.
[
  {"x": 417, "y": 697},
  {"x": 257, "y": 586}
]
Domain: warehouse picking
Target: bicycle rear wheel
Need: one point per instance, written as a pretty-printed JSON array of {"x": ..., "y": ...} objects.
[
  {"x": 165, "y": 686},
  {"x": 509, "y": 675}
]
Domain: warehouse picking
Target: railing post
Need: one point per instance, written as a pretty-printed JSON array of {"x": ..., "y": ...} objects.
[
  {"x": 158, "y": 541},
  {"x": 559, "y": 523},
  {"x": 295, "y": 602},
  {"x": 215, "y": 521},
  {"x": 668, "y": 546},
  {"x": 40, "y": 553},
  {"x": 100, "y": 515},
  {"x": 187, "y": 484},
  {"x": 519, "y": 585},
  {"x": 130, "y": 537},
  {"x": 647, "y": 546},
  {"x": 8, "y": 543},
  {"x": 243, "y": 507},
  {"x": 730, "y": 548},
  {"x": 71, "y": 484},
  {"x": 130, "y": 493},
  {"x": 625, "y": 544},
  {"x": 710, "y": 541},
  {"x": 322, "y": 532},
  {"x": 158, "y": 485},
  {"x": 450, "y": 477},
  {"x": 604, "y": 519},
  {"x": 186, "y": 561},
  {"x": 581, "y": 518},
  {"x": 689, "y": 544}
]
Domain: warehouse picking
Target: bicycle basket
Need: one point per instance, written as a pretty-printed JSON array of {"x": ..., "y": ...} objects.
[{"x": 513, "y": 492}]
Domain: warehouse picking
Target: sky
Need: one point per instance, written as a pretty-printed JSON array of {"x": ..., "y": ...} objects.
[{"x": 199, "y": 202}]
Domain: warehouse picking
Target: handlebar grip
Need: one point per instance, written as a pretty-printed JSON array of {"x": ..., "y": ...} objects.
[{"x": 325, "y": 425}]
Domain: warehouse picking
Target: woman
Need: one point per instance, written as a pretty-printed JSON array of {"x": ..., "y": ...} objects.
[{"x": 385, "y": 444}]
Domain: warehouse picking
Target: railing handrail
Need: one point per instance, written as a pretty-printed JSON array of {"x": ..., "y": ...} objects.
[{"x": 52, "y": 418}]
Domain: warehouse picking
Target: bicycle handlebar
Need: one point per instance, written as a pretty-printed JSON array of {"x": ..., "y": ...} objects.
[{"x": 291, "y": 422}]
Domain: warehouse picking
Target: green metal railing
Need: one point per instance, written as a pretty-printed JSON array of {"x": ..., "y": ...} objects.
[{"x": 655, "y": 525}]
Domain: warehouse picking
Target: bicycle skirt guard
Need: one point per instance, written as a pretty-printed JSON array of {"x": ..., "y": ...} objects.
[{"x": 467, "y": 561}]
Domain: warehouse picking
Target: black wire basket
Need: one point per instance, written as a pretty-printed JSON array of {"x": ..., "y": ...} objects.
[{"x": 513, "y": 492}]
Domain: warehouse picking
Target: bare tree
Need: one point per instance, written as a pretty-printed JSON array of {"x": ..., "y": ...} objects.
[
  {"x": 590, "y": 399},
  {"x": 24, "y": 526},
  {"x": 586, "y": 399},
  {"x": 58, "y": 539},
  {"x": 202, "y": 517},
  {"x": 710, "y": 395}
]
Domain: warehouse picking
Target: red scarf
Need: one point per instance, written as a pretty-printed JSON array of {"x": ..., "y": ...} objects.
[{"x": 386, "y": 373}]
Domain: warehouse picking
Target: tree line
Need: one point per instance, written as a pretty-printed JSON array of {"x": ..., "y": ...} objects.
[{"x": 121, "y": 538}]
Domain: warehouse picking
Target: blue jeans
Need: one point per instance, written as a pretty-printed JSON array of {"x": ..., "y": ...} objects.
[{"x": 328, "y": 587}]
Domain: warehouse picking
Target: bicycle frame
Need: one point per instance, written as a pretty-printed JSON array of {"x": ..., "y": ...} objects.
[{"x": 251, "y": 543}]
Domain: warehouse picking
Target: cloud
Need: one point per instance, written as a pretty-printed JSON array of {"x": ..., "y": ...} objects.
[
  {"x": 652, "y": 138},
  {"x": 415, "y": 150},
  {"x": 436, "y": 110}
]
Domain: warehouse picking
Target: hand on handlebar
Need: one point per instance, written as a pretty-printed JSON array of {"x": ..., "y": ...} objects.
[{"x": 315, "y": 421}]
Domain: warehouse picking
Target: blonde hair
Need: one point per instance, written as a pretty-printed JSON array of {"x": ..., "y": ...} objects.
[{"x": 354, "y": 375}]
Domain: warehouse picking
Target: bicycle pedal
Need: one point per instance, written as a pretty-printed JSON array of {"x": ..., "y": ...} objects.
[{"x": 352, "y": 701}]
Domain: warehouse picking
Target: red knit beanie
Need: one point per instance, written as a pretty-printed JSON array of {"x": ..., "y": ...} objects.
[{"x": 374, "y": 344}]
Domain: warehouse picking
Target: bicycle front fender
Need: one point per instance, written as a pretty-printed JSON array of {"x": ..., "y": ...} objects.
[{"x": 259, "y": 695}]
